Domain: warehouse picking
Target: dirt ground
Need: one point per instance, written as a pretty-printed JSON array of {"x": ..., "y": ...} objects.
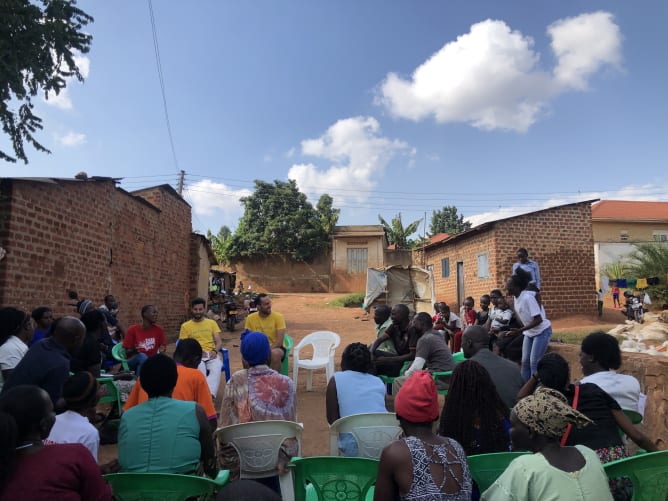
[{"x": 305, "y": 313}]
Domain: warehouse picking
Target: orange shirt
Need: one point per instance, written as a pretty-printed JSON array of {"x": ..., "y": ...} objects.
[{"x": 190, "y": 386}]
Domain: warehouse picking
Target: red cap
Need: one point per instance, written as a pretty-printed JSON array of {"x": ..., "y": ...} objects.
[{"x": 417, "y": 399}]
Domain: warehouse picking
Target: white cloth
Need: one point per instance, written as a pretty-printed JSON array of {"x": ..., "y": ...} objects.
[
  {"x": 624, "y": 389},
  {"x": 501, "y": 318},
  {"x": 526, "y": 308},
  {"x": 72, "y": 428},
  {"x": 211, "y": 369},
  {"x": 11, "y": 353},
  {"x": 454, "y": 318}
]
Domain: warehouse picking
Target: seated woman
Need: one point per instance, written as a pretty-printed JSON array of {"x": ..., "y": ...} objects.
[
  {"x": 74, "y": 425},
  {"x": 600, "y": 358},
  {"x": 257, "y": 393},
  {"x": 538, "y": 422},
  {"x": 16, "y": 331},
  {"x": 474, "y": 414},
  {"x": 31, "y": 470},
  {"x": 593, "y": 402},
  {"x": 421, "y": 465},
  {"x": 354, "y": 391},
  {"x": 164, "y": 435}
]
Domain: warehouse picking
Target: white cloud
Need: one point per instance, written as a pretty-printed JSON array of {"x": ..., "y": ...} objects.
[
  {"x": 357, "y": 156},
  {"x": 209, "y": 198},
  {"x": 71, "y": 139},
  {"x": 63, "y": 99},
  {"x": 291, "y": 152},
  {"x": 490, "y": 77},
  {"x": 644, "y": 192},
  {"x": 583, "y": 45}
]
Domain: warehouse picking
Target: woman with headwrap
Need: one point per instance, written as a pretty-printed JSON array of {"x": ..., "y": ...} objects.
[
  {"x": 422, "y": 465},
  {"x": 553, "y": 472}
]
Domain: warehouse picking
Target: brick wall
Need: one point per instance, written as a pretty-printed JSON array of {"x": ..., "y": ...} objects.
[
  {"x": 559, "y": 239},
  {"x": 94, "y": 238},
  {"x": 279, "y": 273}
]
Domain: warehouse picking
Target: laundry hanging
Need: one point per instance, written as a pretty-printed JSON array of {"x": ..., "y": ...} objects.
[{"x": 642, "y": 283}]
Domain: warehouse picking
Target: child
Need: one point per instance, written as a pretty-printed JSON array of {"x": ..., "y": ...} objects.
[
  {"x": 615, "y": 297},
  {"x": 599, "y": 298},
  {"x": 501, "y": 316},
  {"x": 470, "y": 314}
]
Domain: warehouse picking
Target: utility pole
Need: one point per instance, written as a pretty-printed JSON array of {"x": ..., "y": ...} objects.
[
  {"x": 182, "y": 175},
  {"x": 424, "y": 237}
]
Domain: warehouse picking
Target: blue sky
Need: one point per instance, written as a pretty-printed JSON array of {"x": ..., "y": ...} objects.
[{"x": 389, "y": 106}]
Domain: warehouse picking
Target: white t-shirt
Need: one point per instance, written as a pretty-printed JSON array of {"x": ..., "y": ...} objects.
[
  {"x": 454, "y": 318},
  {"x": 72, "y": 428},
  {"x": 11, "y": 353},
  {"x": 527, "y": 307},
  {"x": 624, "y": 389},
  {"x": 501, "y": 318}
]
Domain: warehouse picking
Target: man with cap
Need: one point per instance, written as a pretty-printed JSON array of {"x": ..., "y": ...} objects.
[
  {"x": 257, "y": 393},
  {"x": 410, "y": 465},
  {"x": 505, "y": 374}
]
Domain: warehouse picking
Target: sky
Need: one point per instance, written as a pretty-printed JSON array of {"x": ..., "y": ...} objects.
[{"x": 495, "y": 107}]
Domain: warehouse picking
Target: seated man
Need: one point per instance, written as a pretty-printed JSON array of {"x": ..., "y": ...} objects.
[
  {"x": 257, "y": 393},
  {"x": 403, "y": 338},
  {"x": 382, "y": 320},
  {"x": 145, "y": 339},
  {"x": 431, "y": 354},
  {"x": 164, "y": 435},
  {"x": 191, "y": 384}
]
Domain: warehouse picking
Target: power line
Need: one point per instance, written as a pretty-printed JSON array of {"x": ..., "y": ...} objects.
[{"x": 156, "y": 49}]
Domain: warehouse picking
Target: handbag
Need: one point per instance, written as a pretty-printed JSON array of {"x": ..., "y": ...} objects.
[{"x": 564, "y": 438}]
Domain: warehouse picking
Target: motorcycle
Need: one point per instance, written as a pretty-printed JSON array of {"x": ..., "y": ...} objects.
[
  {"x": 633, "y": 308},
  {"x": 231, "y": 315}
]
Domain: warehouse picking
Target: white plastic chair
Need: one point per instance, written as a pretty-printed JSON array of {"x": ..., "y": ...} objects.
[
  {"x": 258, "y": 444},
  {"x": 324, "y": 346},
  {"x": 372, "y": 431}
]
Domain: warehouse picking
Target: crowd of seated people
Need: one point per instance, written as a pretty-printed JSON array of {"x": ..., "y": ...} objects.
[{"x": 168, "y": 421}]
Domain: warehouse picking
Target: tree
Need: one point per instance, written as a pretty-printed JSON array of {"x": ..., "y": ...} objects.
[
  {"x": 278, "y": 219},
  {"x": 218, "y": 241},
  {"x": 329, "y": 216},
  {"x": 38, "y": 44},
  {"x": 651, "y": 260},
  {"x": 447, "y": 221},
  {"x": 396, "y": 233}
]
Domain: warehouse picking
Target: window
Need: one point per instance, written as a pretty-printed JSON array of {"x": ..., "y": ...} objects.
[
  {"x": 660, "y": 236},
  {"x": 483, "y": 271},
  {"x": 624, "y": 235},
  {"x": 445, "y": 267},
  {"x": 358, "y": 260}
]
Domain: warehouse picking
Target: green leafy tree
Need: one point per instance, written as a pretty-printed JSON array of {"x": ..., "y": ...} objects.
[
  {"x": 329, "y": 216},
  {"x": 218, "y": 241},
  {"x": 447, "y": 221},
  {"x": 649, "y": 260},
  {"x": 615, "y": 270},
  {"x": 38, "y": 43},
  {"x": 396, "y": 233},
  {"x": 278, "y": 219}
]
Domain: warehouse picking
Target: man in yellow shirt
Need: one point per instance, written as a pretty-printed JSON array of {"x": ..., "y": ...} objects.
[
  {"x": 207, "y": 333},
  {"x": 272, "y": 325}
]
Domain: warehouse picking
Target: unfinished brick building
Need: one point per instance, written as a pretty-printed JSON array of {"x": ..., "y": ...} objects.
[
  {"x": 93, "y": 237},
  {"x": 560, "y": 239}
]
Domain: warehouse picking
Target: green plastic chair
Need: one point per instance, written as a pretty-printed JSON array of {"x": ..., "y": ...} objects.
[
  {"x": 634, "y": 417},
  {"x": 388, "y": 380},
  {"x": 648, "y": 472},
  {"x": 288, "y": 343},
  {"x": 164, "y": 486},
  {"x": 113, "y": 395},
  {"x": 118, "y": 352},
  {"x": 438, "y": 375},
  {"x": 329, "y": 477},
  {"x": 458, "y": 357},
  {"x": 486, "y": 468}
]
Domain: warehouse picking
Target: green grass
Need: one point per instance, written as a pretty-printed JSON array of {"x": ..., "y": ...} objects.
[
  {"x": 350, "y": 301},
  {"x": 575, "y": 336}
]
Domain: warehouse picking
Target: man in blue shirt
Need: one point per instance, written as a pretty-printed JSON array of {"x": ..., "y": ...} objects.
[{"x": 529, "y": 266}]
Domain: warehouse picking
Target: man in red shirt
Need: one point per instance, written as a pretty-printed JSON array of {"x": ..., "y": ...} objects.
[{"x": 144, "y": 340}]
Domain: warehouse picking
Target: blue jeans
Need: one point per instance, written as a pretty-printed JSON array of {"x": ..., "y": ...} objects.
[
  {"x": 135, "y": 362},
  {"x": 533, "y": 349}
]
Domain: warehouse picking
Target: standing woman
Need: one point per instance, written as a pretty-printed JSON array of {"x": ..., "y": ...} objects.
[{"x": 537, "y": 328}]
